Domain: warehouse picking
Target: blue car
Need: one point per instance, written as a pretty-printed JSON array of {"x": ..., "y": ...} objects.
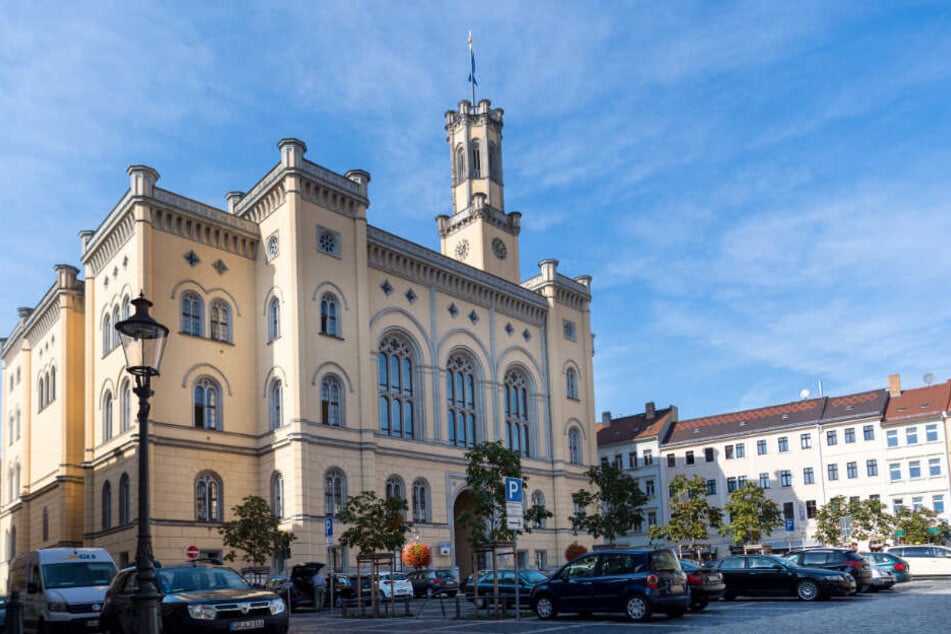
[{"x": 3, "y": 613}]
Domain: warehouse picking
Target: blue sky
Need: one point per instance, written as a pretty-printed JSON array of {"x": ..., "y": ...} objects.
[{"x": 760, "y": 190}]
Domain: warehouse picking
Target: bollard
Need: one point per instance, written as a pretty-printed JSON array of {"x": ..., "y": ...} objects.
[
  {"x": 458, "y": 607},
  {"x": 14, "y": 614}
]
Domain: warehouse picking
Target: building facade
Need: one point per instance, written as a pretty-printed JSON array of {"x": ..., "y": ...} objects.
[{"x": 312, "y": 356}]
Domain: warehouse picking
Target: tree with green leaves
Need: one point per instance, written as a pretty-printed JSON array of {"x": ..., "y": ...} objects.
[
  {"x": 829, "y": 520},
  {"x": 256, "y": 531},
  {"x": 691, "y": 514},
  {"x": 374, "y": 524},
  {"x": 487, "y": 465},
  {"x": 751, "y": 515},
  {"x": 618, "y": 500},
  {"x": 871, "y": 521},
  {"x": 916, "y": 525}
]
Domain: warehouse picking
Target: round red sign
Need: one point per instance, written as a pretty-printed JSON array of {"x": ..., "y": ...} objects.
[{"x": 192, "y": 552}]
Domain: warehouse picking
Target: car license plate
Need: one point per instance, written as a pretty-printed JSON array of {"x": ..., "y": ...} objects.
[
  {"x": 92, "y": 623},
  {"x": 256, "y": 624}
]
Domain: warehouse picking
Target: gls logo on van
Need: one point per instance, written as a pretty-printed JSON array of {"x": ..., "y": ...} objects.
[{"x": 80, "y": 556}]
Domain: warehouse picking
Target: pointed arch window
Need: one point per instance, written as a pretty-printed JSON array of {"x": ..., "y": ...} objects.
[
  {"x": 125, "y": 406},
  {"x": 208, "y": 496},
  {"x": 460, "y": 164},
  {"x": 41, "y": 392},
  {"x": 460, "y": 400},
  {"x": 277, "y": 494},
  {"x": 394, "y": 487},
  {"x": 335, "y": 491},
  {"x": 126, "y": 303},
  {"x": 116, "y": 343},
  {"x": 106, "y": 334},
  {"x": 495, "y": 163},
  {"x": 107, "y": 416},
  {"x": 220, "y": 321},
  {"x": 538, "y": 499},
  {"x": 106, "y": 506},
  {"x": 574, "y": 446},
  {"x": 51, "y": 385},
  {"x": 276, "y": 404},
  {"x": 571, "y": 383},
  {"x": 192, "y": 314},
  {"x": 420, "y": 500},
  {"x": 516, "y": 412},
  {"x": 328, "y": 315},
  {"x": 273, "y": 319},
  {"x": 476, "y": 150},
  {"x": 125, "y": 515},
  {"x": 207, "y": 404},
  {"x": 395, "y": 383},
  {"x": 331, "y": 409}
]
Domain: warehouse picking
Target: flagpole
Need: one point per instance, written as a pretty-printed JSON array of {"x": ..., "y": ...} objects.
[{"x": 472, "y": 79}]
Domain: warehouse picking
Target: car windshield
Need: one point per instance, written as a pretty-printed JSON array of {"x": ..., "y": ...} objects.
[
  {"x": 533, "y": 576},
  {"x": 445, "y": 576},
  {"x": 189, "y": 579},
  {"x": 78, "y": 574}
]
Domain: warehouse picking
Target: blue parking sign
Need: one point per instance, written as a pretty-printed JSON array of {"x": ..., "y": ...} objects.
[
  {"x": 790, "y": 525},
  {"x": 513, "y": 489},
  {"x": 328, "y": 527}
]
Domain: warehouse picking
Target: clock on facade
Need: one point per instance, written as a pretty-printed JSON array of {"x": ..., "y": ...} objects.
[
  {"x": 498, "y": 248},
  {"x": 462, "y": 249}
]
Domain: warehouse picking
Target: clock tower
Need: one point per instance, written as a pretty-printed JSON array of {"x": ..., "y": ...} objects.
[{"x": 479, "y": 232}]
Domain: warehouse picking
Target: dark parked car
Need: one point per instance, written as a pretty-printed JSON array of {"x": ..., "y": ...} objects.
[
  {"x": 706, "y": 584},
  {"x": 892, "y": 562},
  {"x": 765, "y": 575},
  {"x": 292, "y": 595},
  {"x": 345, "y": 589},
  {"x": 196, "y": 599},
  {"x": 302, "y": 576},
  {"x": 485, "y": 587},
  {"x": 433, "y": 583},
  {"x": 635, "y": 582},
  {"x": 840, "y": 559},
  {"x": 3, "y": 614}
]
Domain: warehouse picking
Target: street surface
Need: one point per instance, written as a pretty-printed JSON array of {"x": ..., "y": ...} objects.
[{"x": 924, "y": 606}]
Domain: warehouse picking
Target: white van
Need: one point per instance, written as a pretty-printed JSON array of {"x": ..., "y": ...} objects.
[{"x": 62, "y": 588}]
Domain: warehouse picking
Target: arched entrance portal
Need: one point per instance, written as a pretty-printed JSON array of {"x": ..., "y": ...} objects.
[{"x": 464, "y": 503}]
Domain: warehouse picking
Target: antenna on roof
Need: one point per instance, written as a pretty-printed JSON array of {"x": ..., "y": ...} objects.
[
  {"x": 804, "y": 394},
  {"x": 928, "y": 378}
]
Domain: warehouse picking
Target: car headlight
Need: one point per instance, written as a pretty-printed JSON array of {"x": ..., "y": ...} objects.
[
  {"x": 201, "y": 612},
  {"x": 276, "y": 606},
  {"x": 57, "y": 606}
]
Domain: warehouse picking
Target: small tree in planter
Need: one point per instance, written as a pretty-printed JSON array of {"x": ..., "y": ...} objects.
[
  {"x": 574, "y": 550},
  {"x": 416, "y": 555}
]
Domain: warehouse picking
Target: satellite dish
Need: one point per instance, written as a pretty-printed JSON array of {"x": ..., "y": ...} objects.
[
  {"x": 928, "y": 378},
  {"x": 804, "y": 394}
]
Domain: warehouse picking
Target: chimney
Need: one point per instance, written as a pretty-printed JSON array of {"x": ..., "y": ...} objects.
[
  {"x": 894, "y": 385},
  {"x": 649, "y": 412},
  {"x": 605, "y": 422}
]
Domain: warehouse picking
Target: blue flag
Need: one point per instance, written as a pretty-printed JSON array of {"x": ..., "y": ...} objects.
[{"x": 472, "y": 77}]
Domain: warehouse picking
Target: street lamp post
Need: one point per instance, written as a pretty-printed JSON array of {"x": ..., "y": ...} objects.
[{"x": 143, "y": 342}]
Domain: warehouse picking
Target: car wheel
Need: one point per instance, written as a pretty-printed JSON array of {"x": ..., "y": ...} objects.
[
  {"x": 699, "y": 605},
  {"x": 637, "y": 608},
  {"x": 545, "y": 608},
  {"x": 807, "y": 590}
]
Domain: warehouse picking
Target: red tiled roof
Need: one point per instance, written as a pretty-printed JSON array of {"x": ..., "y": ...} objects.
[
  {"x": 629, "y": 428},
  {"x": 919, "y": 403}
]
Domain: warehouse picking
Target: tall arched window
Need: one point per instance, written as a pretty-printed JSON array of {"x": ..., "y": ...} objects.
[
  {"x": 460, "y": 400},
  {"x": 394, "y": 487},
  {"x": 106, "y": 334},
  {"x": 328, "y": 315},
  {"x": 273, "y": 319},
  {"x": 516, "y": 412},
  {"x": 208, "y": 495},
  {"x": 220, "y": 321},
  {"x": 571, "y": 383},
  {"x": 277, "y": 494},
  {"x": 574, "y": 446},
  {"x": 495, "y": 163},
  {"x": 41, "y": 393},
  {"x": 46, "y": 524},
  {"x": 192, "y": 314},
  {"x": 207, "y": 404},
  {"x": 335, "y": 491},
  {"x": 125, "y": 406},
  {"x": 538, "y": 499},
  {"x": 116, "y": 342},
  {"x": 106, "y": 506},
  {"x": 395, "y": 371},
  {"x": 476, "y": 159},
  {"x": 16, "y": 480},
  {"x": 18, "y": 423},
  {"x": 51, "y": 385},
  {"x": 275, "y": 404},
  {"x": 107, "y": 416},
  {"x": 460, "y": 164},
  {"x": 331, "y": 409},
  {"x": 420, "y": 500},
  {"x": 125, "y": 515},
  {"x": 126, "y": 303}
]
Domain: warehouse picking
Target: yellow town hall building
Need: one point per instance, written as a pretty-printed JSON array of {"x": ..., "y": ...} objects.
[{"x": 312, "y": 356}]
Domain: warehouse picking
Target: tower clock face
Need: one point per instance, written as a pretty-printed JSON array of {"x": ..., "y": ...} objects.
[
  {"x": 462, "y": 249},
  {"x": 498, "y": 248}
]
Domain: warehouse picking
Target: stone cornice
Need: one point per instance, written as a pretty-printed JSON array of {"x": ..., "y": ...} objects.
[
  {"x": 507, "y": 222},
  {"x": 567, "y": 291},
  {"x": 390, "y": 253},
  {"x": 40, "y": 320},
  {"x": 221, "y": 231},
  {"x": 110, "y": 236}
]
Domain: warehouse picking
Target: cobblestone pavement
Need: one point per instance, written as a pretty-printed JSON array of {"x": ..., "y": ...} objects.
[{"x": 922, "y": 605}]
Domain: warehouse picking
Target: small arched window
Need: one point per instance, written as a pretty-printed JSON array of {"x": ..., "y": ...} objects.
[
  {"x": 125, "y": 515},
  {"x": 574, "y": 446},
  {"x": 476, "y": 150},
  {"x": 116, "y": 342},
  {"x": 328, "y": 315},
  {"x": 125, "y": 406},
  {"x": 41, "y": 392},
  {"x": 207, "y": 404},
  {"x": 571, "y": 383},
  {"x": 495, "y": 163},
  {"x": 335, "y": 491},
  {"x": 208, "y": 495},
  {"x": 331, "y": 408},
  {"x": 273, "y": 319},
  {"x": 277, "y": 494},
  {"x": 106, "y": 334},
  {"x": 460, "y": 164},
  {"x": 107, "y": 416},
  {"x": 51, "y": 385},
  {"x": 516, "y": 412},
  {"x": 126, "y": 303},
  {"x": 192, "y": 314},
  {"x": 420, "y": 500},
  {"x": 106, "y": 506},
  {"x": 394, "y": 487},
  {"x": 16, "y": 480},
  {"x": 220, "y": 321},
  {"x": 275, "y": 404},
  {"x": 538, "y": 499}
]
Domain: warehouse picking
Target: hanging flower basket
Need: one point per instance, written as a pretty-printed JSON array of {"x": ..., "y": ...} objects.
[
  {"x": 416, "y": 555},
  {"x": 574, "y": 550}
]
